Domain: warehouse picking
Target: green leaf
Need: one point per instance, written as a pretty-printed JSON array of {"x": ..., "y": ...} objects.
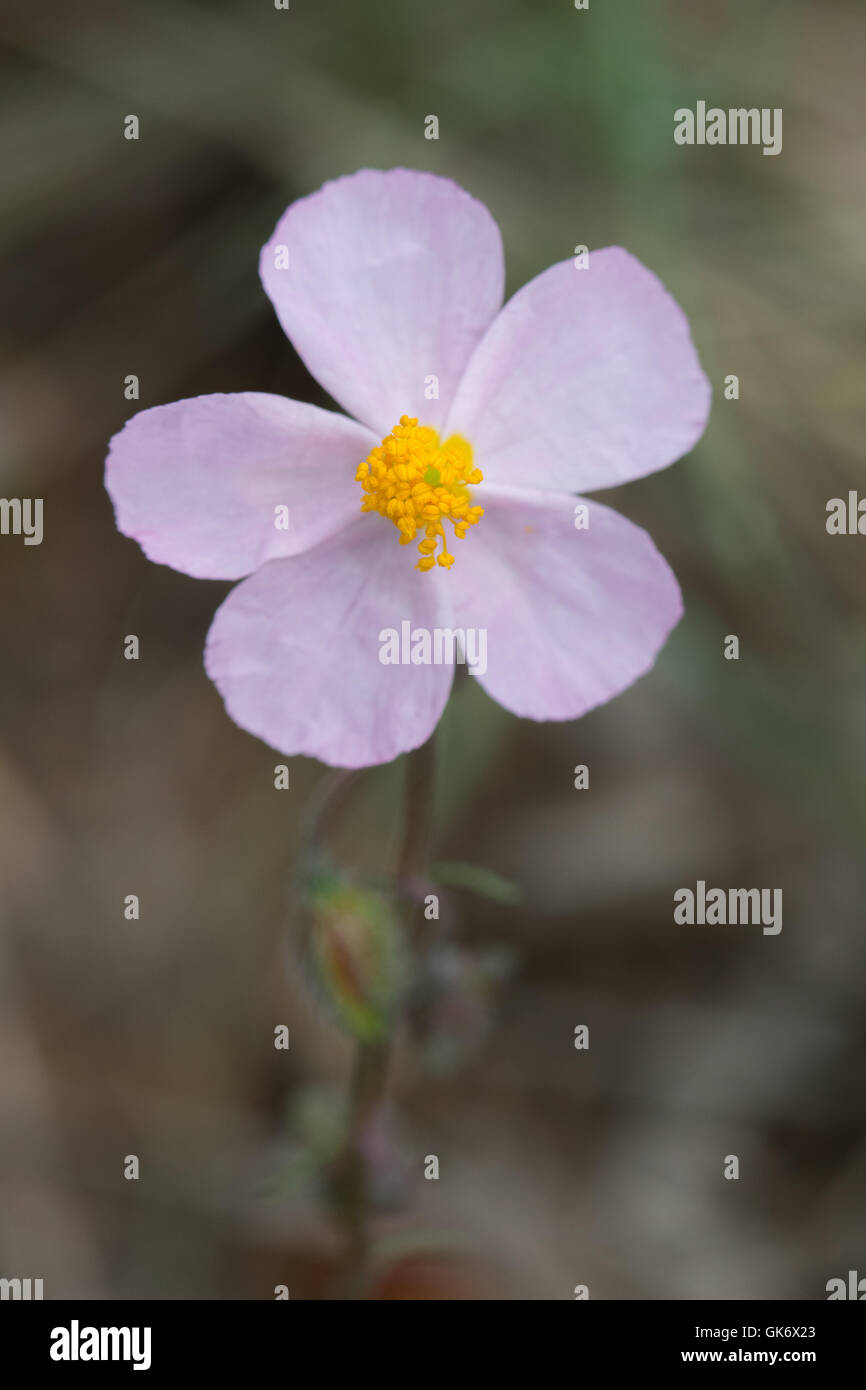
[{"x": 476, "y": 879}]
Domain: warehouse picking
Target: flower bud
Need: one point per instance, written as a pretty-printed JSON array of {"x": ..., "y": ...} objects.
[{"x": 356, "y": 954}]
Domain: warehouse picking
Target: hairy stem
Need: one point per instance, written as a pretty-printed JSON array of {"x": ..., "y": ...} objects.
[
  {"x": 371, "y": 1067},
  {"x": 420, "y": 787}
]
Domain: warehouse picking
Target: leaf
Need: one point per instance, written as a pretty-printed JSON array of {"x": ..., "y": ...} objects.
[{"x": 476, "y": 879}]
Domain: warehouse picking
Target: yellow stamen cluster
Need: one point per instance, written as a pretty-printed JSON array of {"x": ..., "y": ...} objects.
[{"x": 419, "y": 484}]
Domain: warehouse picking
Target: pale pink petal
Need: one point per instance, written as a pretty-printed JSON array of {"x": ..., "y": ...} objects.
[
  {"x": 294, "y": 650},
  {"x": 587, "y": 378},
  {"x": 392, "y": 278},
  {"x": 572, "y": 616},
  {"x": 197, "y": 483}
]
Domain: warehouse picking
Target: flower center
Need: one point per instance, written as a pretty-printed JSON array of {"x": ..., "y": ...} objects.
[{"x": 419, "y": 484}]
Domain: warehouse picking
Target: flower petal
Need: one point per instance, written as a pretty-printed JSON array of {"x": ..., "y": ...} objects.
[
  {"x": 294, "y": 650},
  {"x": 392, "y": 278},
  {"x": 196, "y": 483},
  {"x": 588, "y": 378},
  {"x": 573, "y": 617}
]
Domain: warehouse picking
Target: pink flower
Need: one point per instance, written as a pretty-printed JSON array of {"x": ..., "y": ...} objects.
[{"x": 390, "y": 287}]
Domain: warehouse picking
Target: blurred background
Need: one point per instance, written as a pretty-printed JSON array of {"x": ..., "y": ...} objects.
[{"x": 155, "y": 1037}]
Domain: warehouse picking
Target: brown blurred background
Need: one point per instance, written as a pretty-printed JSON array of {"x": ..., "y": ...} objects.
[{"x": 155, "y": 1037}]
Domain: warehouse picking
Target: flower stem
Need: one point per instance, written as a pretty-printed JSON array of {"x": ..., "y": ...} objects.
[
  {"x": 420, "y": 787},
  {"x": 371, "y": 1067}
]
